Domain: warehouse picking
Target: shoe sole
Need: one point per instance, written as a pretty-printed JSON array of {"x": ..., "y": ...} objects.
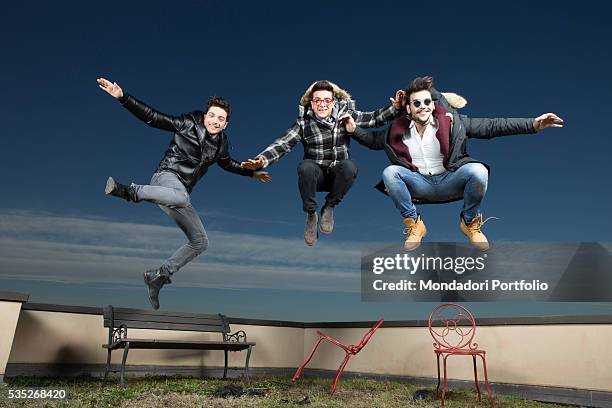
[
  {"x": 411, "y": 249},
  {"x": 328, "y": 232},
  {"x": 110, "y": 186},
  {"x": 419, "y": 243},
  {"x": 313, "y": 242},
  {"x": 474, "y": 244},
  {"x": 478, "y": 246}
]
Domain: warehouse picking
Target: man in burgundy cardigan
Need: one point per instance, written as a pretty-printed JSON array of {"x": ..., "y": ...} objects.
[{"x": 427, "y": 149}]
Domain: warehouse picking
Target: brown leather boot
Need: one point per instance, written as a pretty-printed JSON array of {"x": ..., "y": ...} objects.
[
  {"x": 326, "y": 222},
  {"x": 473, "y": 232},
  {"x": 311, "y": 235},
  {"x": 415, "y": 230}
]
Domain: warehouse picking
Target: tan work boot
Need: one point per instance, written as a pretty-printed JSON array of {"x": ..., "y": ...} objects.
[
  {"x": 415, "y": 231},
  {"x": 473, "y": 232}
]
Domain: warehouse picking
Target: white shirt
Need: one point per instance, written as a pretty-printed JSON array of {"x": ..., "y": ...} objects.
[{"x": 425, "y": 152}]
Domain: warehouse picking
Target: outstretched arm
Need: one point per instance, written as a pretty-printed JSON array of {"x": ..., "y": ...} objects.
[
  {"x": 231, "y": 165},
  {"x": 278, "y": 149},
  {"x": 141, "y": 110},
  {"x": 484, "y": 128},
  {"x": 374, "y": 140}
]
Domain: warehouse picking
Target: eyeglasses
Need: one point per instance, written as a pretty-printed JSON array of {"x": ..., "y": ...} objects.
[
  {"x": 318, "y": 101},
  {"x": 417, "y": 102}
]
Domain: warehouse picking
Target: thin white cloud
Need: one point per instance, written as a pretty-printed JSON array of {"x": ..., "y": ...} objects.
[
  {"x": 260, "y": 220},
  {"x": 44, "y": 247}
]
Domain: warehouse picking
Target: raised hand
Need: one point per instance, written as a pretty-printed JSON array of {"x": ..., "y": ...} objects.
[
  {"x": 112, "y": 88},
  {"x": 397, "y": 102},
  {"x": 253, "y": 164},
  {"x": 262, "y": 176},
  {"x": 349, "y": 123},
  {"x": 547, "y": 120}
]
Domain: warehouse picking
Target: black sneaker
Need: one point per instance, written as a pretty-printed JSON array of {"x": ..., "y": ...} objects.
[
  {"x": 120, "y": 190},
  {"x": 326, "y": 223},
  {"x": 155, "y": 279},
  {"x": 310, "y": 229}
]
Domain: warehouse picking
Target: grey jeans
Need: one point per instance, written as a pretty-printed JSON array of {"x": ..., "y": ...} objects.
[{"x": 170, "y": 194}]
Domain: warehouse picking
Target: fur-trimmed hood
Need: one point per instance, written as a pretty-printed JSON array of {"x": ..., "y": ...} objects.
[
  {"x": 339, "y": 94},
  {"x": 454, "y": 100}
]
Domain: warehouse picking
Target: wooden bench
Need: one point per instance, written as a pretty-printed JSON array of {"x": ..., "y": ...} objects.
[{"x": 119, "y": 320}]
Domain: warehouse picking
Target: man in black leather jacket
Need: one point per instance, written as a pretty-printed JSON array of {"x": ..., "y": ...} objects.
[{"x": 198, "y": 143}]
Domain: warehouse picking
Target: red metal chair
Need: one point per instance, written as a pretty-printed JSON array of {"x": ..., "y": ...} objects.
[
  {"x": 453, "y": 328},
  {"x": 350, "y": 350}
]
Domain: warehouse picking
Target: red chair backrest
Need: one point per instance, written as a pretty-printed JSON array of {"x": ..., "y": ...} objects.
[
  {"x": 452, "y": 327},
  {"x": 366, "y": 337}
]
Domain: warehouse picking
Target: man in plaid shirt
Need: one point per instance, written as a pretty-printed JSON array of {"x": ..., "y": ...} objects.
[{"x": 326, "y": 165}]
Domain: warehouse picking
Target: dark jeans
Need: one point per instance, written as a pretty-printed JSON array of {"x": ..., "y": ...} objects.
[{"x": 337, "y": 180}]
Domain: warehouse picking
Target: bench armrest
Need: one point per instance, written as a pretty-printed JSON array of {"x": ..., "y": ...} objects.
[
  {"x": 238, "y": 337},
  {"x": 119, "y": 333}
]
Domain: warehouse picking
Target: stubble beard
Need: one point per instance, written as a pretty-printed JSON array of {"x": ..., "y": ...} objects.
[{"x": 421, "y": 122}]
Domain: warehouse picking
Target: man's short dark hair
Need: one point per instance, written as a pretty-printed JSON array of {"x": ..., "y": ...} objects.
[
  {"x": 322, "y": 86},
  {"x": 418, "y": 84},
  {"x": 220, "y": 103}
]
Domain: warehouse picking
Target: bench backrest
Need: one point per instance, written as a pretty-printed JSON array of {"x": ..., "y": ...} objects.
[{"x": 144, "y": 319}]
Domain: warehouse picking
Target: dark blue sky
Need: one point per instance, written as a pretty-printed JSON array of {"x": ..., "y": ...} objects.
[{"x": 62, "y": 136}]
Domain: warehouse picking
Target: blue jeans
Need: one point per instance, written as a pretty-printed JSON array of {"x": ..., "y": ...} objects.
[
  {"x": 468, "y": 181},
  {"x": 167, "y": 191}
]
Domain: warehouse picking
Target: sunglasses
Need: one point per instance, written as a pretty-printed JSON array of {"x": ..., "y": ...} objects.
[
  {"x": 318, "y": 101},
  {"x": 417, "y": 102}
]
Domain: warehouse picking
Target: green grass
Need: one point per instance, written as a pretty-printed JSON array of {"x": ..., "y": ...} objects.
[{"x": 195, "y": 392}]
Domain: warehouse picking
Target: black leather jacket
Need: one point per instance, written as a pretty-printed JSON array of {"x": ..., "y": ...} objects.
[{"x": 187, "y": 156}]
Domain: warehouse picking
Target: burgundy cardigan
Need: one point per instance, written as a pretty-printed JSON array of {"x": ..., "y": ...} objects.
[{"x": 400, "y": 126}]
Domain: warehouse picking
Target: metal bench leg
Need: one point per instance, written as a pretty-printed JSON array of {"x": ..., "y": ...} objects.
[
  {"x": 108, "y": 360},
  {"x": 125, "y": 354},
  {"x": 225, "y": 367},
  {"x": 246, "y": 366}
]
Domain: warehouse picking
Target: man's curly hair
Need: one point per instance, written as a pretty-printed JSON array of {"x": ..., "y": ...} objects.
[
  {"x": 418, "y": 84},
  {"x": 220, "y": 103}
]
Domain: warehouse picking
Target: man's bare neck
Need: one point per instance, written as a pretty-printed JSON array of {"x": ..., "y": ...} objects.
[{"x": 420, "y": 127}]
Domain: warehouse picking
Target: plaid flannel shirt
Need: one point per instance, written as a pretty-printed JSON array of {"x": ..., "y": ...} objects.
[{"x": 325, "y": 142}]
